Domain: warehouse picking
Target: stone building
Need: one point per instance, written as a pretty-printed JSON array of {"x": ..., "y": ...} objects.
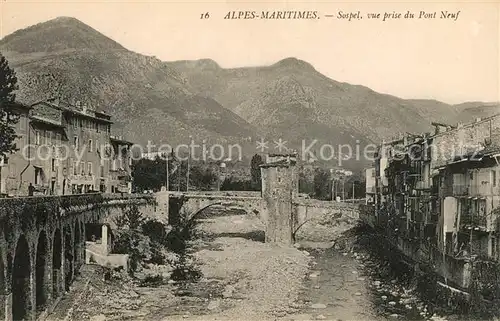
[
  {"x": 65, "y": 148},
  {"x": 119, "y": 173},
  {"x": 438, "y": 196},
  {"x": 279, "y": 187}
]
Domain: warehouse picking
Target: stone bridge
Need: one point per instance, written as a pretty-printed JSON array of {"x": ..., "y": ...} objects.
[
  {"x": 42, "y": 246},
  {"x": 279, "y": 228}
]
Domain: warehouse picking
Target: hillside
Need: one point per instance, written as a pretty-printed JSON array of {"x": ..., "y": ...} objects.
[
  {"x": 323, "y": 106},
  {"x": 148, "y": 100},
  {"x": 167, "y": 102}
]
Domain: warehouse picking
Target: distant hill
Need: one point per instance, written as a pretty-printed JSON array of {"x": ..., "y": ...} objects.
[
  {"x": 170, "y": 101},
  {"x": 148, "y": 99},
  {"x": 318, "y": 103}
]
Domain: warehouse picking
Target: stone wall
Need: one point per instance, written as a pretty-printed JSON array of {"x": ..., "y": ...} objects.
[
  {"x": 42, "y": 246},
  {"x": 464, "y": 138}
]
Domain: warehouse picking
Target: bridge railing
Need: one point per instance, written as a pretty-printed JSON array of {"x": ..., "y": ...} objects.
[{"x": 13, "y": 205}]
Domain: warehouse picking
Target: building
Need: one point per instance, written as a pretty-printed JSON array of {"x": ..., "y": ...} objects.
[
  {"x": 66, "y": 148},
  {"x": 120, "y": 171},
  {"x": 370, "y": 185},
  {"x": 14, "y": 165},
  {"x": 437, "y": 196}
]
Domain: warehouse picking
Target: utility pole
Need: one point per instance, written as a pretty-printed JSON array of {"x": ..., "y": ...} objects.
[
  {"x": 218, "y": 177},
  {"x": 189, "y": 156},
  {"x": 343, "y": 190},
  {"x": 168, "y": 175},
  {"x": 187, "y": 178}
]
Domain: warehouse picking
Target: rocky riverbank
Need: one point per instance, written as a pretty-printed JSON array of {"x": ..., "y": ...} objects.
[{"x": 242, "y": 278}]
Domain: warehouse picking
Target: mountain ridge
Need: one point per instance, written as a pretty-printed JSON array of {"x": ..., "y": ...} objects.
[{"x": 166, "y": 101}]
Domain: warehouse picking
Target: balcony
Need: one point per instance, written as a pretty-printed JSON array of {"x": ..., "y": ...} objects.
[
  {"x": 422, "y": 185},
  {"x": 460, "y": 190},
  {"x": 474, "y": 221}
]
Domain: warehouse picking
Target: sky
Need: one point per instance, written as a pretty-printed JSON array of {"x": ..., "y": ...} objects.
[{"x": 443, "y": 59}]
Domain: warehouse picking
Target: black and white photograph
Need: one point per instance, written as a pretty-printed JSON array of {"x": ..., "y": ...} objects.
[{"x": 249, "y": 160}]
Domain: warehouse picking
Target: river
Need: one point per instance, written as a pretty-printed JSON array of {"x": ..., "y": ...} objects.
[{"x": 355, "y": 282}]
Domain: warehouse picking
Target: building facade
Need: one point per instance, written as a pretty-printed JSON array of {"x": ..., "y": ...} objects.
[
  {"x": 65, "y": 148},
  {"x": 437, "y": 196}
]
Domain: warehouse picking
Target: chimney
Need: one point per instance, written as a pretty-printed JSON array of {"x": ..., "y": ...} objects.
[{"x": 478, "y": 119}]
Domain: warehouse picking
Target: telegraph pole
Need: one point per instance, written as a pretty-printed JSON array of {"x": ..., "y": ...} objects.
[
  {"x": 168, "y": 175},
  {"x": 189, "y": 156}
]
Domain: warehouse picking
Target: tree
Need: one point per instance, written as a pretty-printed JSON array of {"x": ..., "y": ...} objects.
[
  {"x": 321, "y": 184},
  {"x": 130, "y": 238},
  {"x": 8, "y": 84},
  {"x": 255, "y": 171}
]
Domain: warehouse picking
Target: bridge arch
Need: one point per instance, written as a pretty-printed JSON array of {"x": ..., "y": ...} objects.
[
  {"x": 21, "y": 285},
  {"x": 68, "y": 258},
  {"x": 42, "y": 271},
  {"x": 192, "y": 206},
  {"x": 77, "y": 245},
  {"x": 57, "y": 257},
  {"x": 3, "y": 285}
]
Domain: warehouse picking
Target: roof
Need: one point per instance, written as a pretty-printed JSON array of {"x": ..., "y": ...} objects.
[
  {"x": 46, "y": 121},
  {"x": 491, "y": 150},
  {"x": 17, "y": 104},
  {"x": 121, "y": 141},
  {"x": 68, "y": 108},
  {"x": 280, "y": 163}
]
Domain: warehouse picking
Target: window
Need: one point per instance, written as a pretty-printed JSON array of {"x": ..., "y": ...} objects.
[
  {"x": 91, "y": 147},
  {"x": 493, "y": 178},
  {"x": 53, "y": 165},
  {"x": 97, "y": 146},
  {"x": 37, "y": 137},
  {"x": 82, "y": 165},
  {"x": 74, "y": 122},
  {"x": 75, "y": 142},
  {"x": 75, "y": 168},
  {"x": 38, "y": 172},
  {"x": 109, "y": 128},
  {"x": 58, "y": 139},
  {"x": 98, "y": 127},
  {"x": 48, "y": 138},
  {"x": 22, "y": 123},
  {"x": 89, "y": 168}
]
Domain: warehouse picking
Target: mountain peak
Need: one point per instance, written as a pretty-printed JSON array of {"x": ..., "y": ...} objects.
[
  {"x": 58, "y": 34},
  {"x": 292, "y": 62}
]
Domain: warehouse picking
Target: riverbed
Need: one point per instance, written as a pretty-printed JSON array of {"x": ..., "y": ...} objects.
[{"x": 326, "y": 276}]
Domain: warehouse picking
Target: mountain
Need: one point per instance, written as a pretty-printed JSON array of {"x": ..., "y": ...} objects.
[
  {"x": 167, "y": 102},
  {"x": 304, "y": 103},
  {"x": 148, "y": 99}
]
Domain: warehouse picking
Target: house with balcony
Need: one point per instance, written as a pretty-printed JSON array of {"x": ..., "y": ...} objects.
[
  {"x": 471, "y": 197},
  {"x": 64, "y": 148},
  {"x": 371, "y": 187}
]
